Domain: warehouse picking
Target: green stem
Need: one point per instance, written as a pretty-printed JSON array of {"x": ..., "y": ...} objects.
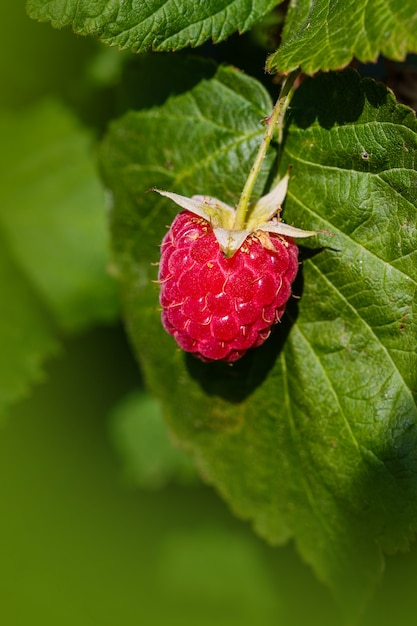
[{"x": 276, "y": 118}]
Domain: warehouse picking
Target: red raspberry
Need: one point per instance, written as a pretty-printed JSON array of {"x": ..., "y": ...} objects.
[{"x": 218, "y": 307}]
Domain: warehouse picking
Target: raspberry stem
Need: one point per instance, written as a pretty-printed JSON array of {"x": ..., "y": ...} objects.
[{"x": 276, "y": 119}]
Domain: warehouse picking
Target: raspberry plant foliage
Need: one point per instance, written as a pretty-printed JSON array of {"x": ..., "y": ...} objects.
[
  {"x": 312, "y": 436},
  {"x": 53, "y": 236}
]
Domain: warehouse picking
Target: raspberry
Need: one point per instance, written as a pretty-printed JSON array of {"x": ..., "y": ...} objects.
[
  {"x": 218, "y": 307},
  {"x": 226, "y": 273}
]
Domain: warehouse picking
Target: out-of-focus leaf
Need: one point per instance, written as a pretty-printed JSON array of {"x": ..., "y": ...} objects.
[
  {"x": 328, "y": 34},
  {"x": 26, "y": 333},
  {"x": 36, "y": 60},
  {"x": 155, "y": 24},
  {"x": 52, "y": 211},
  {"x": 149, "y": 457},
  {"x": 80, "y": 549}
]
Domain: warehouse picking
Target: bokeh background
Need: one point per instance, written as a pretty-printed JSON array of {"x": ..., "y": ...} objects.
[{"x": 102, "y": 522}]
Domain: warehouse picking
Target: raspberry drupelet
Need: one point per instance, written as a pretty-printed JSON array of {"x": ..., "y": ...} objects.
[{"x": 215, "y": 306}]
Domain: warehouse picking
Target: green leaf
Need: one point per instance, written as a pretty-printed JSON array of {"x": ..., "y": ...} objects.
[
  {"x": 156, "y": 24},
  {"x": 150, "y": 458},
  {"x": 26, "y": 333},
  {"x": 327, "y": 34},
  {"x": 53, "y": 213},
  {"x": 313, "y": 435}
]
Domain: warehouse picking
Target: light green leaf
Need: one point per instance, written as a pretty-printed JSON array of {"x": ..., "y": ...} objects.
[
  {"x": 149, "y": 455},
  {"x": 152, "y": 25},
  {"x": 52, "y": 211},
  {"x": 26, "y": 333},
  {"x": 313, "y": 435},
  {"x": 328, "y": 34}
]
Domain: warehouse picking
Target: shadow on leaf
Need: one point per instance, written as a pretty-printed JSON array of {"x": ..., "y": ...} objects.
[
  {"x": 161, "y": 77},
  {"x": 334, "y": 98}
]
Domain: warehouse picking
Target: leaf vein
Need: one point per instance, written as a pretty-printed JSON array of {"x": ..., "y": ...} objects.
[
  {"x": 334, "y": 393},
  {"x": 366, "y": 325},
  {"x": 293, "y": 430}
]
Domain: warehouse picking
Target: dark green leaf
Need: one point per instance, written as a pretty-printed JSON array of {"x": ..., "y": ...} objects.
[
  {"x": 53, "y": 213},
  {"x": 327, "y": 34},
  {"x": 160, "y": 76},
  {"x": 312, "y": 436},
  {"x": 156, "y": 24}
]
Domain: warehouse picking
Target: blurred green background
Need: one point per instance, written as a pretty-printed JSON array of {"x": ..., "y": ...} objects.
[{"x": 101, "y": 521}]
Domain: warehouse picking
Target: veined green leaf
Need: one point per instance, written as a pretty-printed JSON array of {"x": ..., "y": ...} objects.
[
  {"x": 152, "y": 25},
  {"x": 328, "y": 34},
  {"x": 313, "y": 435}
]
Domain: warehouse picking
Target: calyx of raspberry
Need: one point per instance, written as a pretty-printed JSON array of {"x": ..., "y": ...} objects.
[{"x": 263, "y": 216}]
